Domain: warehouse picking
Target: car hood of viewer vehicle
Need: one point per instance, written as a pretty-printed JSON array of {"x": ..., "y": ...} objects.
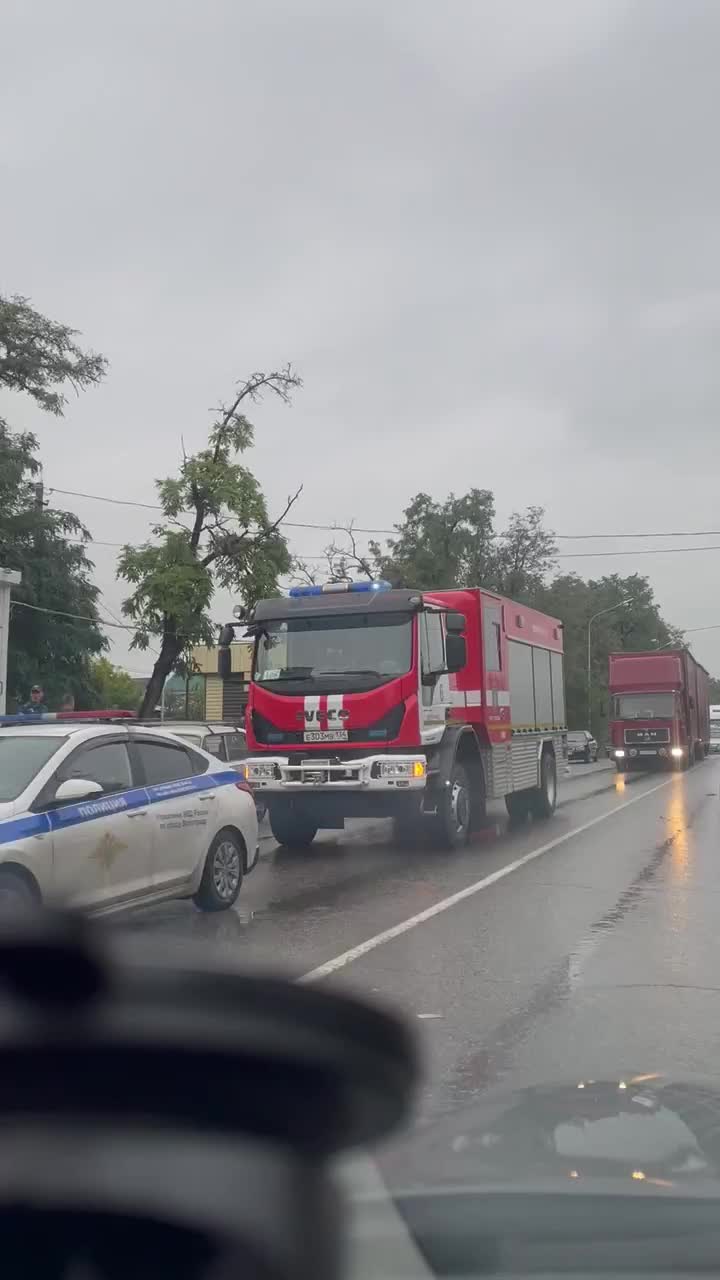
[{"x": 635, "y": 1131}]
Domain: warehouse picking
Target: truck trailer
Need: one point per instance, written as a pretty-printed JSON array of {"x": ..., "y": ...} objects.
[
  {"x": 370, "y": 701},
  {"x": 659, "y": 709}
]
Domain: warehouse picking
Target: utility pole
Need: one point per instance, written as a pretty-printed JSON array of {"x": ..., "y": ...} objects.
[
  {"x": 599, "y": 614},
  {"x": 8, "y": 578}
]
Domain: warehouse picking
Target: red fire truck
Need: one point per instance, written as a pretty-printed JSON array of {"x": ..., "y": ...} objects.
[
  {"x": 369, "y": 701},
  {"x": 659, "y": 709}
]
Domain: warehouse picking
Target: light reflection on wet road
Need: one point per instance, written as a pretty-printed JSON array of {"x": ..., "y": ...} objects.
[{"x": 599, "y": 955}]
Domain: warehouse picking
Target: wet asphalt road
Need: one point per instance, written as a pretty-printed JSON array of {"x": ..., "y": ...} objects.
[{"x": 593, "y": 949}]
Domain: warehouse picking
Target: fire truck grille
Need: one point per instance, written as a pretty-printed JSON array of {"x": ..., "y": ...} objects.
[{"x": 383, "y": 730}]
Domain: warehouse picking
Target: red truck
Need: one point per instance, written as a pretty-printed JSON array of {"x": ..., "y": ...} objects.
[
  {"x": 659, "y": 709},
  {"x": 369, "y": 701}
]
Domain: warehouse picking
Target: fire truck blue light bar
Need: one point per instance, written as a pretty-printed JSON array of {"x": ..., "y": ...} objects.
[{"x": 330, "y": 588}]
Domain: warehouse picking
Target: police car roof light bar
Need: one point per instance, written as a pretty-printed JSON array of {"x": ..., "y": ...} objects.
[{"x": 54, "y": 717}]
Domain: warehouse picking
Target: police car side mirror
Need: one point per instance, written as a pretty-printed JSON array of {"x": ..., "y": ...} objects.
[{"x": 76, "y": 789}]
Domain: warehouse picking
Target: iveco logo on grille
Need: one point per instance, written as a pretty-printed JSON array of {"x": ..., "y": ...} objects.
[{"x": 313, "y": 714}]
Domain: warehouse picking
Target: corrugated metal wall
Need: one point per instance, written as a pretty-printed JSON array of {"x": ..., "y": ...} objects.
[{"x": 213, "y": 698}]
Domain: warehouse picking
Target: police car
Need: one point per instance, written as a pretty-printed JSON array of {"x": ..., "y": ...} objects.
[{"x": 98, "y": 814}]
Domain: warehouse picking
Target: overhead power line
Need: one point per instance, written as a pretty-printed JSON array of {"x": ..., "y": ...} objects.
[
  {"x": 149, "y": 506},
  {"x": 638, "y": 551},
  {"x": 335, "y": 528},
  {"x": 78, "y": 617}
]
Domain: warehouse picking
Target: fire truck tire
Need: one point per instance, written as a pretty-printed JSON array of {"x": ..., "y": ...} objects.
[
  {"x": 518, "y": 805},
  {"x": 544, "y": 798},
  {"x": 292, "y": 827},
  {"x": 452, "y": 820}
]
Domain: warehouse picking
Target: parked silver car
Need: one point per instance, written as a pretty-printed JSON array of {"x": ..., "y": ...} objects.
[{"x": 226, "y": 742}]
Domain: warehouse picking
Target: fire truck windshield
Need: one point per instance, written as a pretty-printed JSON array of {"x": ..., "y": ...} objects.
[
  {"x": 309, "y": 649},
  {"x": 644, "y": 706}
]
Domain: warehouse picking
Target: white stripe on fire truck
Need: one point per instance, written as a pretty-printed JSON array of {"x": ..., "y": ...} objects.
[
  {"x": 312, "y": 711},
  {"x": 334, "y": 704},
  {"x": 466, "y": 697}
]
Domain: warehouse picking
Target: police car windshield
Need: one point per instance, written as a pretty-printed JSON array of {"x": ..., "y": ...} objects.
[{"x": 21, "y": 758}]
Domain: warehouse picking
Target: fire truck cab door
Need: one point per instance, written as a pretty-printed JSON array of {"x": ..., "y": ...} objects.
[{"x": 434, "y": 681}]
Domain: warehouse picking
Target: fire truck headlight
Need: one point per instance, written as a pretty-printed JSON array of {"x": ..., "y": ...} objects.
[
  {"x": 258, "y": 770},
  {"x": 402, "y": 769}
]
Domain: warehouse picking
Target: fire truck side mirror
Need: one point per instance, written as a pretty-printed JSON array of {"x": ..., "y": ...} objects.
[
  {"x": 225, "y": 639},
  {"x": 454, "y": 622},
  {"x": 455, "y": 653}
]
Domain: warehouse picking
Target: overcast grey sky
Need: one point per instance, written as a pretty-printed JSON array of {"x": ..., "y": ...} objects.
[{"x": 485, "y": 232}]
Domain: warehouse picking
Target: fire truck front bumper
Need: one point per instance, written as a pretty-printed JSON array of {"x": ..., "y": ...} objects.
[{"x": 376, "y": 773}]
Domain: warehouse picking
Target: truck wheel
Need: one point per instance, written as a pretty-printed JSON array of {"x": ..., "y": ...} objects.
[
  {"x": 544, "y": 797},
  {"x": 452, "y": 821},
  {"x": 292, "y": 827},
  {"x": 517, "y": 804}
]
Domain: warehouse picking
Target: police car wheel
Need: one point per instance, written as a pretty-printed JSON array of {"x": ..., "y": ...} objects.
[
  {"x": 15, "y": 891},
  {"x": 222, "y": 874}
]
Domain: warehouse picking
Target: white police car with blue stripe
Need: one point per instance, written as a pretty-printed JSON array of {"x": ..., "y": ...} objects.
[{"x": 100, "y": 814}]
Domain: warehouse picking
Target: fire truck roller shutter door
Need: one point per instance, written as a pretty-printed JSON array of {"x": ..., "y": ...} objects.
[
  {"x": 543, "y": 689},
  {"x": 522, "y": 689}
]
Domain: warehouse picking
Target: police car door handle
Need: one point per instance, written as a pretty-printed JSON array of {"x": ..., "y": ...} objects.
[
  {"x": 210, "y": 796},
  {"x": 138, "y": 813}
]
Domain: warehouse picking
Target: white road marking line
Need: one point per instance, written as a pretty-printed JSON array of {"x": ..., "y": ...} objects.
[{"x": 362, "y": 949}]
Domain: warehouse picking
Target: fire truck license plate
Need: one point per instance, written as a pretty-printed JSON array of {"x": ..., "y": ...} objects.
[{"x": 326, "y": 735}]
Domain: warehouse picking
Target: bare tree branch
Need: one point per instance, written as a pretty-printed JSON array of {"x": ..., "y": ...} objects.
[
  {"x": 280, "y": 382},
  {"x": 272, "y": 528}
]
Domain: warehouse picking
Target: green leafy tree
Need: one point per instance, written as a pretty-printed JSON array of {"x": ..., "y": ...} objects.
[
  {"x": 522, "y": 556},
  {"x": 216, "y": 532},
  {"x": 440, "y": 544},
  {"x": 714, "y": 691},
  {"x": 112, "y": 688},
  {"x": 40, "y": 357},
  {"x": 49, "y": 548},
  {"x": 636, "y": 625}
]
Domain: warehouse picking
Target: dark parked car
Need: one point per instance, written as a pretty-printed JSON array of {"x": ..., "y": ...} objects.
[{"x": 582, "y": 746}]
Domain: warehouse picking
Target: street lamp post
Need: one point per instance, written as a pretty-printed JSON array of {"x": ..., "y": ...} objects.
[{"x": 599, "y": 614}]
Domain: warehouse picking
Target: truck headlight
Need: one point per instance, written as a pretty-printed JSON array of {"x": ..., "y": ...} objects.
[
  {"x": 620, "y": 752},
  {"x": 677, "y": 751},
  {"x": 258, "y": 770},
  {"x": 402, "y": 769}
]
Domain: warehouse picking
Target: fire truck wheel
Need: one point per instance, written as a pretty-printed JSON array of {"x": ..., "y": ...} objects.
[
  {"x": 544, "y": 797},
  {"x": 292, "y": 828},
  {"x": 518, "y": 805},
  {"x": 453, "y": 811}
]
